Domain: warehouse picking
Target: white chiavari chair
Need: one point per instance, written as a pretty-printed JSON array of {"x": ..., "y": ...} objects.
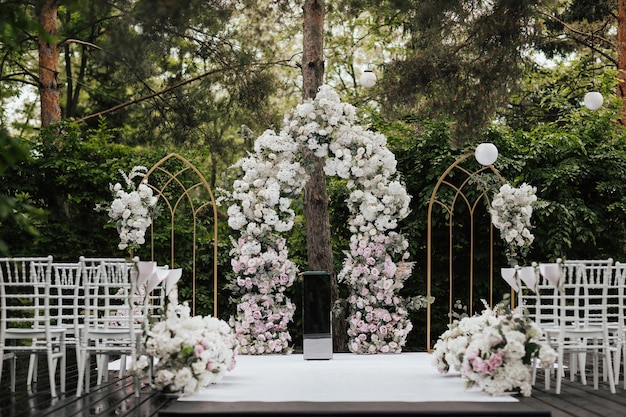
[
  {"x": 583, "y": 328},
  {"x": 574, "y": 267},
  {"x": 25, "y": 319},
  {"x": 110, "y": 320},
  {"x": 117, "y": 268},
  {"x": 616, "y": 316},
  {"x": 66, "y": 306},
  {"x": 540, "y": 301}
]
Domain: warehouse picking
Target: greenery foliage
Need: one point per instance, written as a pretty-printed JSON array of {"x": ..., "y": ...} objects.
[
  {"x": 13, "y": 208},
  {"x": 70, "y": 173}
]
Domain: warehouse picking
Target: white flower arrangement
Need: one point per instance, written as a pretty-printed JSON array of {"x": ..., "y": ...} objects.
[
  {"x": 260, "y": 209},
  {"x": 452, "y": 344},
  {"x": 191, "y": 352},
  {"x": 133, "y": 208},
  {"x": 511, "y": 211},
  {"x": 494, "y": 350}
]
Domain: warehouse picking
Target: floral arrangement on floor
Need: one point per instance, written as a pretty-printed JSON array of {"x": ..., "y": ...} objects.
[
  {"x": 452, "y": 344},
  {"x": 494, "y": 350},
  {"x": 133, "y": 208},
  {"x": 191, "y": 351},
  {"x": 511, "y": 211},
  {"x": 261, "y": 210}
]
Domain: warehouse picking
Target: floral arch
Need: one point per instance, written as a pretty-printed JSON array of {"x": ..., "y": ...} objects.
[{"x": 273, "y": 176}]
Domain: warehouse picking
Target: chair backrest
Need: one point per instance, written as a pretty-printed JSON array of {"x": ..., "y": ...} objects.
[
  {"x": 585, "y": 293},
  {"x": 67, "y": 299},
  {"x": 594, "y": 277},
  {"x": 616, "y": 303},
  {"x": 111, "y": 269},
  {"x": 117, "y": 267},
  {"x": 90, "y": 271},
  {"x": 25, "y": 293},
  {"x": 109, "y": 291},
  {"x": 576, "y": 266},
  {"x": 542, "y": 302}
]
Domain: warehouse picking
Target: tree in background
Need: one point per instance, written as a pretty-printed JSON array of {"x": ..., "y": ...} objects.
[
  {"x": 49, "y": 92},
  {"x": 176, "y": 74},
  {"x": 315, "y": 194},
  {"x": 460, "y": 60},
  {"x": 455, "y": 61},
  {"x": 595, "y": 30}
]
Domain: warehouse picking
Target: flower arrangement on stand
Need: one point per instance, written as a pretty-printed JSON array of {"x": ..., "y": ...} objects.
[
  {"x": 190, "y": 351},
  {"x": 494, "y": 350},
  {"x": 264, "y": 312},
  {"x": 511, "y": 211},
  {"x": 133, "y": 208},
  {"x": 260, "y": 257},
  {"x": 378, "y": 322}
]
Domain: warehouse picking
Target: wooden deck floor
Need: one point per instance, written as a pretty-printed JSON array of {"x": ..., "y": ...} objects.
[
  {"x": 113, "y": 398},
  {"x": 116, "y": 398},
  {"x": 577, "y": 400}
]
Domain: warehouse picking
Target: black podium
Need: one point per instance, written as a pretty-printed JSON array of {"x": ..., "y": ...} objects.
[{"x": 316, "y": 315}]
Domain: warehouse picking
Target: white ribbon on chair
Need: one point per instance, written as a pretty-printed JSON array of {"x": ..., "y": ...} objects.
[
  {"x": 510, "y": 276},
  {"x": 528, "y": 275},
  {"x": 172, "y": 279},
  {"x": 145, "y": 270},
  {"x": 156, "y": 278},
  {"x": 552, "y": 272}
]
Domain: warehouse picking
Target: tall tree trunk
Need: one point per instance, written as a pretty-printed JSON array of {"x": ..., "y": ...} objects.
[
  {"x": 49, "y": 91},
  {"x": 621, "y": 59},
  {"x": 318, "y": 240}
]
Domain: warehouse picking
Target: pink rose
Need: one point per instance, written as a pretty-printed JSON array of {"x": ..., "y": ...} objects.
[{"x": 198, "y": 349}]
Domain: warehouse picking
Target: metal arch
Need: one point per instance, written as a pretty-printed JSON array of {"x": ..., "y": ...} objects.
[
  {"x": 458, "y": 195},
  {"x": 174, "y": 179}
]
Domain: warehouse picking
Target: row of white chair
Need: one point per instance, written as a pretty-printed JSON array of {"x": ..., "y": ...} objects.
[
  {"x": 25, "y": 315},
  {"x": 581, "y": 306},
  {"x": 96, "y": 305},
  {"x": 118, "y": 309}
]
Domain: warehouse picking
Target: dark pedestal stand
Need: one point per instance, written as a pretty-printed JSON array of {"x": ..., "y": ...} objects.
[{"x": 316, "y": 315}]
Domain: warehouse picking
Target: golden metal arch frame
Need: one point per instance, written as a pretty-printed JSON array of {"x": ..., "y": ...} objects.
[
  {"x": 173, "y": 204},
  {"x": 458, "y": 195}
]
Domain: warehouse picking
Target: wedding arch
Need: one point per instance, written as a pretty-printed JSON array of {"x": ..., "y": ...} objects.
[
  {"x": 184, "y": 194},
  {"x": 457, "y": 186},
  {"x": 375, "y": 267}
]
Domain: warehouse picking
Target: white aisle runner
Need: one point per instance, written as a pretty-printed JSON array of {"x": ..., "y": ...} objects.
[{"x": 405, "y": 377}]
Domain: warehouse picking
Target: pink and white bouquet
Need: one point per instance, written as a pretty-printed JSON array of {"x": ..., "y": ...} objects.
[
  {"x": 379, "y": 318},
  {"x": 494, "y": 350},
  {"x": 190, "y": 351},
  {"x": 264, "y": 311}
]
